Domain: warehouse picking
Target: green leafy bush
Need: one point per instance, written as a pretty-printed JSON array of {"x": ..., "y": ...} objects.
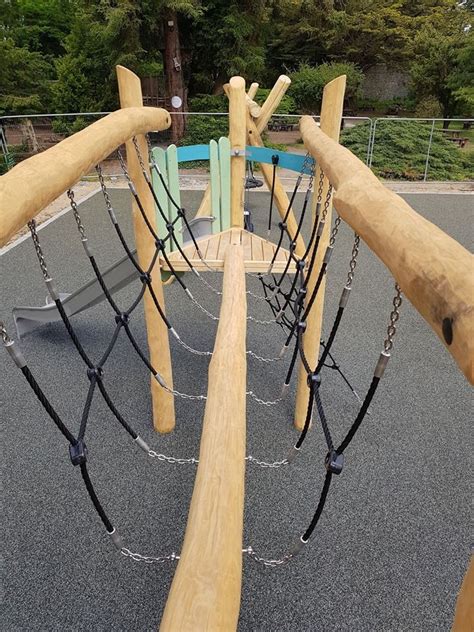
[
  {"x": 208, "y": 103},
  {"x": 400, "y": 151},
  {"x": 201, "y": 129},
  {"x": 308, "y": 83},
  {"x": 69, "y": 126}
]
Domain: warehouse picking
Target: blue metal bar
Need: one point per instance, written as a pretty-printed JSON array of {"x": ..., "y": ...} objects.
[{"x": 294, "y": 162}]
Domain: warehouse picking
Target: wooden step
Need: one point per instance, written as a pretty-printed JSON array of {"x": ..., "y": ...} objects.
[{"x": 258, "y": 253}]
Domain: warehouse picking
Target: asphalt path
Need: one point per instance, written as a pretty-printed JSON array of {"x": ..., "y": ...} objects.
[{"x": 393, "y": 543}]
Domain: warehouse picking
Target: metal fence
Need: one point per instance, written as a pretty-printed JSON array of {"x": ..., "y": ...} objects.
[{"x": 24, "y": 135}]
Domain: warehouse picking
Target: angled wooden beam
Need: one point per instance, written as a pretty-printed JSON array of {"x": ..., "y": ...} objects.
[
  {"x": 34, "y": 183},
  {"x": 433, "y": 270},
  {"x": 281, "y": 198},
  {"x": 254, "y": 109},
  {"x": 331, "y": 116},
  {"x": 272, "y": 101},
  {"x": 252, "y": 91},
  {"x": 205, "y": 592},
  {"x": 130, "y": 92}
]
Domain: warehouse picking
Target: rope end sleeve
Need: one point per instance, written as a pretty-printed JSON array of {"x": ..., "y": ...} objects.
[
  {"x": 15, "y": 354},
  {"x": 142, "y": 444},
  {"x": 381, "y": 364},
  {"x": 297, "y": 546},
  {"x": 344, "y": 297},
  {"x": 160, "y": 380},
  {"x": 292, "y": 454},
  {"x": 284, "y": 349},
  {"x": 284, "y": 390},
  {"x": 116, "y": 539},
  {"x": 53, "y": 292}
]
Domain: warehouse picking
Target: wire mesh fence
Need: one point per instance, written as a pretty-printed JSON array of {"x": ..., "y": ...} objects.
[{"x": 394, "y": 147}]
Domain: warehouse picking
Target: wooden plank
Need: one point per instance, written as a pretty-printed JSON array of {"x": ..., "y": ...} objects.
[
  {"x": 34, "y": 183},
  {"x": 173, "y": 185},
  {"x": 159, "y": 156},
  {"x": 213, "y": 247},
  {"x": 238, "y": 140},
  {"x": 215, "y": 186},
  {"x": 247, "y": 245},
  {"x": 433, "y": 270},
  {"x": 205, "y": 592},
  {"x": 157, "y": 332},
  {"x": 224, "y": 164}
]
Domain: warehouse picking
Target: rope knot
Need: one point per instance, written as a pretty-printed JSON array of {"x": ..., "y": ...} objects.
[
  {"x": 314, "y": 380},
  {"x": 96, "y": 373},
  {"x": 145, "y": 277},
  {"x": 122, "y": 318}
]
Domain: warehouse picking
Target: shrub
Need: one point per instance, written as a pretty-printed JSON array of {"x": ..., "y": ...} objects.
[
  {"x": 308, "y": 83},
  {"x": 208, "y": 103},
  {"x": 400, "y": 151}
]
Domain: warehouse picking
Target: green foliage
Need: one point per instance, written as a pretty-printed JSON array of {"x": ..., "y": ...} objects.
[
  {"x": 386, "y": 106},
  {"x": 400, "y": 151},
  {"x": 308, "y": 83},
  {"x": 23, "y": 79},
  {"x": 287, "y": 104},
  {"x": 201, "y": 129},
  {"x": 69, "y": 126},
  {"x": 208, "y": 103}
]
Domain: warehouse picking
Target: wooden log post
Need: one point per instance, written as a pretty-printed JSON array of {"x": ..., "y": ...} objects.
[
  {"x": 272, "y": 102},
  {"x": 205, "y": 592},
  {"x": 433, "y": 270},
  {"x": 331, "y": 116},
  {"x": 464, "y": 613},
  {"x": 55, "y": 170},
  {"x": 158, "y": 342},
  {"x": 252, "y": 91},
  {"x": 238, "y": 138}
]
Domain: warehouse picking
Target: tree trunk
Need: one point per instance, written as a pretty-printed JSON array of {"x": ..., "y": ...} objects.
[{"x": 175, "y": 86}]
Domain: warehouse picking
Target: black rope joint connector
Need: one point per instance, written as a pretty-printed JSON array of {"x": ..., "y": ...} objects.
[
  {"x": 78, "y": 453},
  {"x": 300, "y": 264},
  {"x": 122, "y": 318},
  {"x": 314, "y": 380},
  {"x": 159, "y": 243},
  {"x": 301, "y": 326},
  {"x": 334, "y": 462},
  {"x": 182, "y": 212},
  {"x": 282, "y": 225},
  {"x": 169, "y": 228},
  {"x": 96, "y": 372},
  {"x": 275, "y": 159},
  {"x": 145, "y": 277},
  {"x": 292, "y": 246}
]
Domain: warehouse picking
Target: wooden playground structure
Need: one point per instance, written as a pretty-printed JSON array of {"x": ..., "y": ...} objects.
[{"x": 433, "y": 271}]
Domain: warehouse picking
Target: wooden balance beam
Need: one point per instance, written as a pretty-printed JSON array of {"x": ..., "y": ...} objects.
[{"x": 205, "y": 593}]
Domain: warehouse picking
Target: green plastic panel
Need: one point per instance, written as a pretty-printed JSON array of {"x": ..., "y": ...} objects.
[
  {"x": 224, "y": 164},
  {"x": 215, "y": 186},
  {"x": 173, "y": 185}
]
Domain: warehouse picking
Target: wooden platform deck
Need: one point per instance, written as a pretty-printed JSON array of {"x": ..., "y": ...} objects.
[{"x": 258, "y": 253}]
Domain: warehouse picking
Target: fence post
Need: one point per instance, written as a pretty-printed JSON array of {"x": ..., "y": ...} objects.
[{"x": 428, "y": 152}]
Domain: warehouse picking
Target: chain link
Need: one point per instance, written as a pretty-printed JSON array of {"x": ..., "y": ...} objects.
[
  {"x": 267, "y": 562},
  {"x": 353, "y": 261},
  {"x": 105, "y": 193},
  {"x": 334, "y": 231},
  {"x": 265, "y": 464},
  {"x": 139, "y": 154},
  {"x": 320, "y": 186},
  {"x": 262, "y": 402},
  {"x": 39, "y": 252},
  {"x": 260, "y": 359},
  {"x": 124, "y": 168},
  {"x": 262, "y": 322},
  {"x": 176, "y": 393},
  {"x": 171, "y": 459},
  {"x": 77, "y": 217},
  {"x": 394, "y": 316},
  {"x": 147, "y": 559},
  {"x": 202, "y": 308},
  {"x": 327, "y": 201}
]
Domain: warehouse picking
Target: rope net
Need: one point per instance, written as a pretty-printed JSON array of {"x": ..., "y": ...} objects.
[{"x": 289, "y": 301}]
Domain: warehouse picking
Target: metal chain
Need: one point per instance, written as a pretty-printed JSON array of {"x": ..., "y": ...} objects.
[
  {"x": 176, "y": 393},
  {"x": 39, "y": 252},
  {"x": 320, "y": 186},
  {"x": 273, "y": 465},
  {"x": 139, "y": 153},
  {"x": 171, "y": 459},
  {"x": 327, "y": 201},
  {"x": 262, "y": 402},
  {"x": 267, "y": 562},
  {"x": 77, "y": 217},
  {"x": 191, "y": 350},
  {"x": 334, "y": 231},
  {"x": 260, "y": 359},
  {"x": 203, "y": 309},
  {"x": 105, "y": 193},
  {"x": 353, "y": 261},
  {"x": 394, "y": 316},
  {"x": 124, "y": 167},
  {"x": 147, "y": 559},
  {"x": 262, "y": 322}
]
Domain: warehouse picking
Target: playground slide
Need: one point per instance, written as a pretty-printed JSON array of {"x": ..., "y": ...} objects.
[{"x": 116, "y": 277}]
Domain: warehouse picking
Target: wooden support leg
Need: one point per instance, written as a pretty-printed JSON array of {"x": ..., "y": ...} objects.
[
  {"x": 205, "y": 593},
  {"x": 331, "y": 115},
  {"x": 238, "y": 139},
  {"x": 464, "y": 615},
  {"x": 157, "y": 332}
]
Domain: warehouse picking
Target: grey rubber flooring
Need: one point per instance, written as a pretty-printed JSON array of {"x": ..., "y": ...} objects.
[{"x": 393, "y": 543}]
